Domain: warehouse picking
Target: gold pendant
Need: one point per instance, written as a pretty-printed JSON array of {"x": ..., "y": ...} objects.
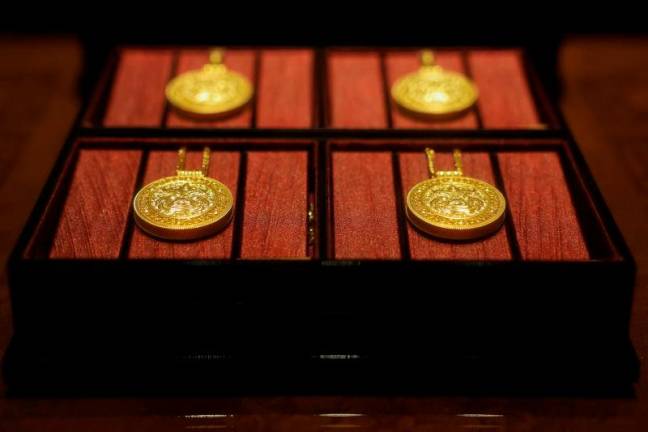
[
  {"x": 210, "y": 92},
  {"x": 186, "y": 206},
  {"x": 434, "y": 91},
  {"x": 452, "y": 206}
]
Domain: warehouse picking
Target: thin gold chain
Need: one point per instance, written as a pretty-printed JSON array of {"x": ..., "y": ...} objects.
[
  {"x": 205, "y": 161},
  {"x": 182, "y": 157},
  {"x": 456, "y": 154},
  {"x": 430, "y": 157}
]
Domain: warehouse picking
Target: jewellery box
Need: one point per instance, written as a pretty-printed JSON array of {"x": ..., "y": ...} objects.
[{"x": 319, "y": 282}]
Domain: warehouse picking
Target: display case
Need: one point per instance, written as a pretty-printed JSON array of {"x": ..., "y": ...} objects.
[{"x": 320, "y": 281}]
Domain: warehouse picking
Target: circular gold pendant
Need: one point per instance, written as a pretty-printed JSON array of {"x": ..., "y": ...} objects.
[
  {"x": 212, "y": 91},
  {"x": 434, "y": 91},
  {"x": 183, "y": 207},
  {"x": 456, "y": 207}
]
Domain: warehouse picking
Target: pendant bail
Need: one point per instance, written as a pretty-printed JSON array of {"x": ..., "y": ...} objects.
[
  {"x": 216, "y": 56},
  {"x": 456, "y": 155},
  {"x": 181, "y": 165},
  {"x": 427, "y": 58}
]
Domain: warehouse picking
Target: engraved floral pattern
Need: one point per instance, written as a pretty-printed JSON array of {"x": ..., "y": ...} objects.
[
  {"x": 459, "y": 202},
  {"x": 211, "y": 90},
  {"x": 456, "y": 200},
  {"x": 434, "y": 90},
  {"x": 207, "y": 92},
  {"x": 183, "y": 202}
]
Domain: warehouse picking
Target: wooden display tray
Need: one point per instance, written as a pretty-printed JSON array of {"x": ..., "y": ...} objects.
[{"x": 352, "y": 291}]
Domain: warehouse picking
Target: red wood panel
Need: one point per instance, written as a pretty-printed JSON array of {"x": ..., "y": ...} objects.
[
  {"x": 399, "y": 64},
  {"x": 477, "y": 165},
  {"x": 137, "y": 96},
  {"x": 285, "y": 97},
  {"x": 543, "y": 213},
  {"x": 505, "y": 100},
  {"x": 241, "y": 61},
  {"x": 364, "y": 207},
  {"x": 224, "y": 167},
  {"x": 356, "y": 92},
  {"x": 95, "y": 213},
  {"x": 274, "y": 221}
]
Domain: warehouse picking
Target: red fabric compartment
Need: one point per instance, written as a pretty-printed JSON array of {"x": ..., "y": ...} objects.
[
  {"x": 505, "y": 100},
  {"x": 95, "y": 213},
  {"x": 276, "y": 200},
  {"x": 413, "y": 170},
  {"x": 137, "y": 97},
  {"x": 241, "y": 61},
  {"x": 356, "y": 92},
  {"x": 365, "y": 224},
  {"x": 284, "y": 97},
  {"x": 399, "y": 64},
  {"x": 356, "y": 89},
  {"x": 224, "y": 167},
  {"x": 543, "y": 213},
  {"x": 285, "y": 93}
]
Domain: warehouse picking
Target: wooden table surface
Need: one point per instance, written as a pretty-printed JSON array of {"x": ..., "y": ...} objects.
[{"x": 606, "y": 104}]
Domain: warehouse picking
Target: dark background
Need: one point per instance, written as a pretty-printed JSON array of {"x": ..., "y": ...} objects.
[{"x": 539, "y": 26}]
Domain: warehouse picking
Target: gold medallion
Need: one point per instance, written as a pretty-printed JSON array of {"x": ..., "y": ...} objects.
[
  {"x": 210, "y": 92},
  {"x": 186, "y": 206},
  {"x": 434, "y": 91},
  {"x": 452, "y": 206}
]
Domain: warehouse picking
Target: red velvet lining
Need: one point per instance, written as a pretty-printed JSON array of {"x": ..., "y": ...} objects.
[
  {"x": 364, "y": 207},
  {"x": 285, "y": 97},
  {"x": 241, "y": 61},
  {"x": 401, "y": 63},
  {"x": 223, "y": 167},
  {"x": 95, "y": 213},
  {"x": 276, "y": 196},
  {"x": 543, "y": 213},
  {"x": 477, "y": 165},
  {"x": 505, "y": 100},
  {"x": 137, "y": 97},
  {"x": 357, "y": 95},
  {"x": 356, "y": 90}
]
